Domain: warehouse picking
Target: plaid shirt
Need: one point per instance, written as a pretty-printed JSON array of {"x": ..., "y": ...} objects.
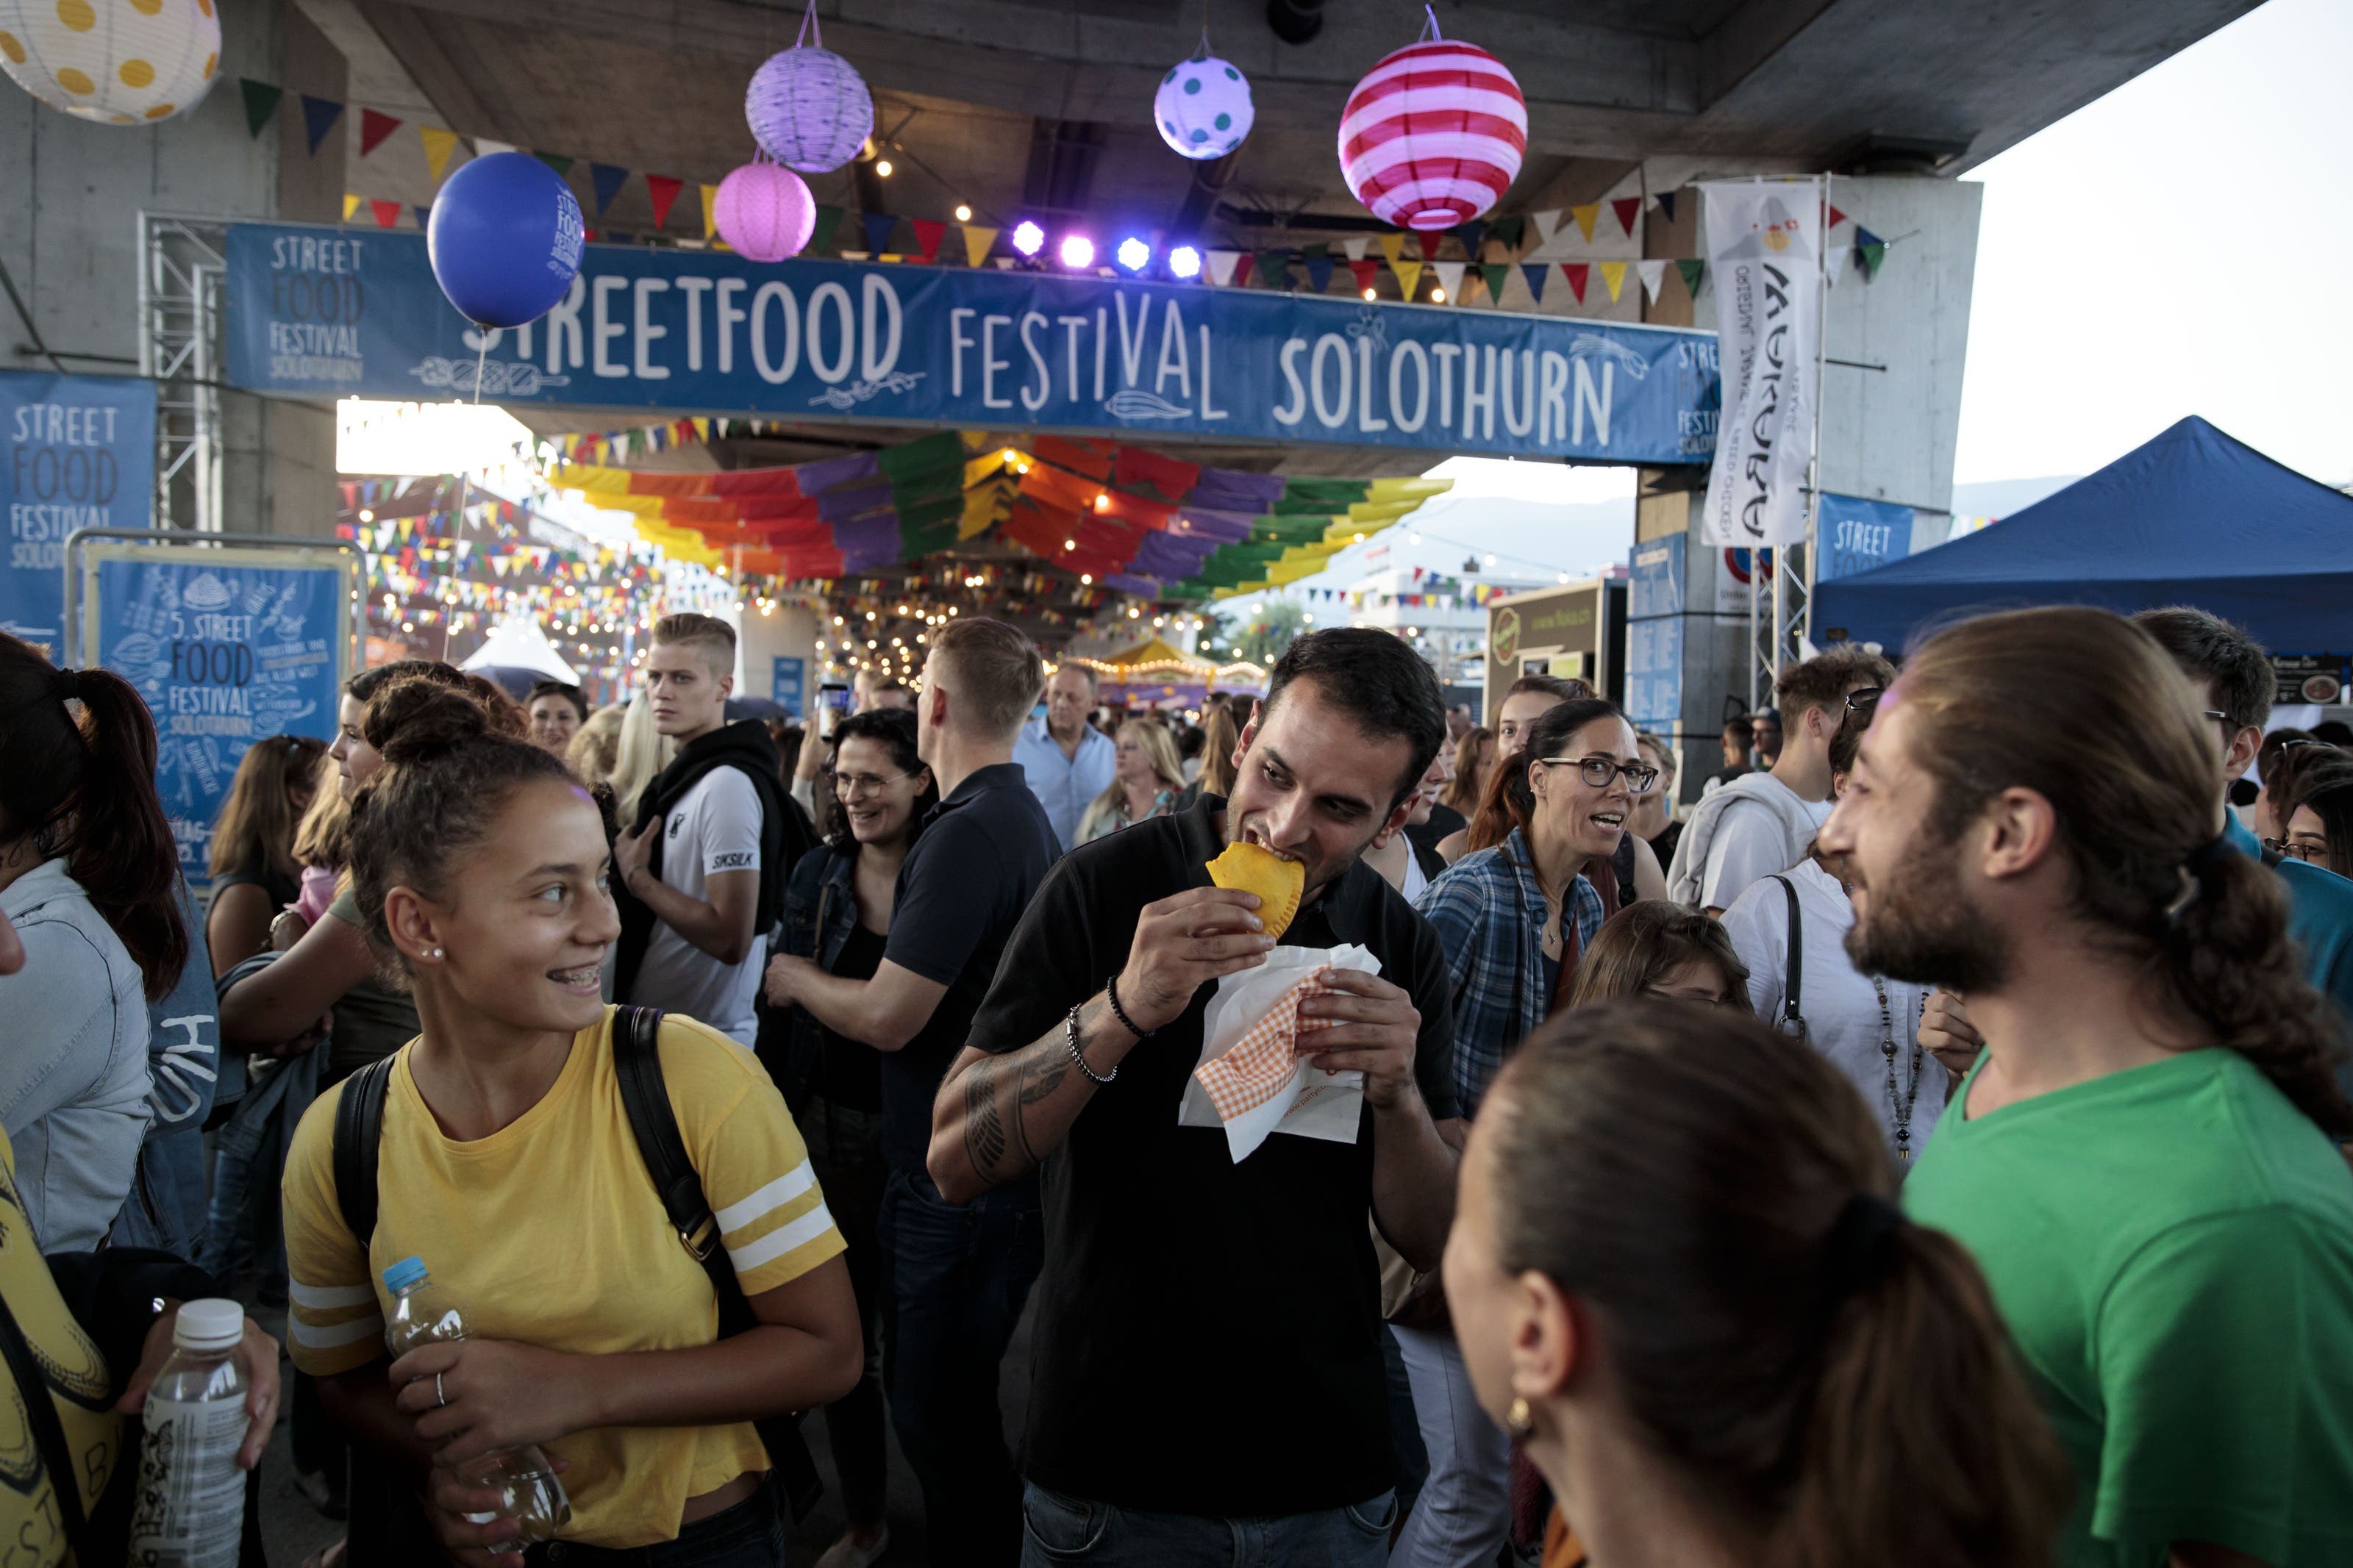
[{"x": 1489, "y": 913}]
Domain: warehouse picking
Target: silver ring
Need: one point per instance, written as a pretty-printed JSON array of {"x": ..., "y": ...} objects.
[{"x": 438, "y": 1396}]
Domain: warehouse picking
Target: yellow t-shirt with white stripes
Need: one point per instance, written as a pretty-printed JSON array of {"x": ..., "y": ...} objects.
[{"x": 549, "y": 1233}]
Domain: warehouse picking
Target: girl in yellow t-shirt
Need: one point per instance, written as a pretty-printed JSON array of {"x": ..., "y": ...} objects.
[{"x": 506, "y": 1163}]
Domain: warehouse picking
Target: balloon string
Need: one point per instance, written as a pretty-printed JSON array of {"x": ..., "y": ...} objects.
[{"x": 481, "y": 357}]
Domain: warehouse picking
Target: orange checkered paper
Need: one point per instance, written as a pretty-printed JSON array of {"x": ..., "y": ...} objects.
[{"x": 1266, "y": 1057}]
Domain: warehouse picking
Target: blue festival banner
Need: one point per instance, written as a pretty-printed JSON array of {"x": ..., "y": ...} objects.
[
  {"x": 787, "y": 683},
  {"x": 334, "y": 312},
  {"x": 76, "y": 451},
  {"x": 1857, "y": 535},
  {"x": 1654, "y": 635},
  {"x": 230, "y": 647}
]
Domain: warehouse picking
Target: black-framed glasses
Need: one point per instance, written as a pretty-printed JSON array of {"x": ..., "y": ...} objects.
[
  {"x": 2288, "y": 849},
  {"x": 849, "y": 787},
  {"x": 1598, "y": 771},
  {"x": 1863, "y": 701}
]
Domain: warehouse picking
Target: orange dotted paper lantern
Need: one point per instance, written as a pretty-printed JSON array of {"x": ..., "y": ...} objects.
[{"x": 117, "y": 62}]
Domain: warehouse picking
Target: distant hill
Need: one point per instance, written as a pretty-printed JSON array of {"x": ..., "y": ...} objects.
[{"x": 1999, "y": 498}]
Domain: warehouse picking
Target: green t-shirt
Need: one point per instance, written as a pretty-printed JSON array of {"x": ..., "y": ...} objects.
[{"x": 2172, "y": 1249}]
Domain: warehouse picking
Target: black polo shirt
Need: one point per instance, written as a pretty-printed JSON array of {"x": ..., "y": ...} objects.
[
  {"x": 981, "y": 854},
  {"x": 1207, "y": 1337}
]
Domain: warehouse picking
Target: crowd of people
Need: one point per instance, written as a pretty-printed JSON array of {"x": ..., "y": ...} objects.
[{"x": 1928, "y": 1145}]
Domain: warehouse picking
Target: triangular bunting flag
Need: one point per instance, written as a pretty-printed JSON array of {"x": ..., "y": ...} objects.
[
  {"x": 1002, "y": 263},
  {"x": 318, "y": 117},
  {"x": 1833, "y": 263},
  {"x": 1449, "y": 277},
  {"x": 1833, "y": 216},
  {"x": 1497, "y": 274},
  {"x": 828, "y": 219},
  {"x": 1318, "y": 257},
  {"x": 484, "y": 147},
  {"x": 1587, "y": 217},
  {"x": 1536, "y": 272},
  {"x": 351, "y": 205},
  {"x": 1354, "y": 248},
  {"x": 1429, "y": 239},
  {"x": 1242, "y": 265},
  {"x": 1221, "y": 267},
  {"x": 1627, "y": 209},
  {"x": 555, "y": 160},
  {"x": 927, "y": 236},
  {"x": 1392, "y": 247},
  {"x": 977, "y": 242},
  {"x": 261, "y": 102},
  {"x": 1366, "y": 274},
  {"x": 438, "y": 145},
  {"x": 1577, "y": 272},
  {"x": 664, "y": 190},
  {"x": 388, "y": 213},
  {"x": 1869, "y": 249},
  {"x": 373, "y": 129},
  {"x": 1472, "y": 235},
  {"x": 607, "y": 180},
  {"x": 1692, "y": 271},
  {"x": 1613, "y": 274},
  {"x": 1408, "y": 277},
  {"x": 424, "y": 216},
  {"x": 1666, "y": 200},
  {"x": 1510, "y": 231},
  {"x": 878, "y": 227},
  {"x": 1273, "y": 269},
  {"x": 1546, "y": 222},
  {"x": 1653, "y": 274},
  {"x": 710, "y": 211}
]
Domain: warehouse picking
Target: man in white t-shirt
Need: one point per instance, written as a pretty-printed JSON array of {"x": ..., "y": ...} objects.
[
  {"x": 1759, "y": 823},
  {"x": 701, "y": 955}
]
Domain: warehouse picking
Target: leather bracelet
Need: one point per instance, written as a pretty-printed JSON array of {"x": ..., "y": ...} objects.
[
  {"x": 1070, "y": 1037},
  {"x": 1111, "y": 990}
]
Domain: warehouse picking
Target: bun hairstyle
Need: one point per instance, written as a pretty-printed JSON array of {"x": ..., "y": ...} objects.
[
  {"x": 2020, "y": 700},
  {"x": 1834, "y": 1377},
  {"x": 1509, "y": 801},
  {"x": 450, "y": 764},
  {"x": 85, "y": 789}
]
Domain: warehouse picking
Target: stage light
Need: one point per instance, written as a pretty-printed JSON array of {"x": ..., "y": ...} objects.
[
  {"x": 1185, "y": 262},
  {"x": 1028, "y": 238},
  {"x": 963, "y": 212},
  {"x": 1133, "y": 254},
  {"x": 1078, "y": 251}
]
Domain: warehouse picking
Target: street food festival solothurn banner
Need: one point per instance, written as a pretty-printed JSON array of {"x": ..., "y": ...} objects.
[
  {"x": 329, "y": 312},
  {"x": 1765, "y": 252},
  {"x": 76, "y": 451}
]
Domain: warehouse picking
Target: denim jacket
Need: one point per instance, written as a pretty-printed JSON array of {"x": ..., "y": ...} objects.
[{"x": 821, "y": 913}]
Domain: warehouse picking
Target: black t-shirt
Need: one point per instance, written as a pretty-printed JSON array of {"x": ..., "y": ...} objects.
[
  {"x": 1208, "y": 1334},
  {"x": 981, "y": 854},
  {"x": 849, "y": 1072},
  {"x": 1444, "y": 823}
]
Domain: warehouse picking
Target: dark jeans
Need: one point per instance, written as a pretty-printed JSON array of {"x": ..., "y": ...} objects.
[
  {"x": 845, "y": 1149},
  {"x": 1058, "y": 1528},
  {"x": 959, "y": 1276},
  {"x": 749, "y": 1535}
]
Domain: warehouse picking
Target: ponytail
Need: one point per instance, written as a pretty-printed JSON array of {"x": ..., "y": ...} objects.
[
  {"x": 87, "y": 791},
  {"x": 2223, "y": 958},
  {"x": 1922, "y": 1445}
]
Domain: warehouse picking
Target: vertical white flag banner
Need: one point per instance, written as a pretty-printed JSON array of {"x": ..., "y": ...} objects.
[{"x": 1765, "y": 257}]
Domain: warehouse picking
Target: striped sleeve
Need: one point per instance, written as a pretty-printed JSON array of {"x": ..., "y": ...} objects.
[
  {"x": 333, "y": 1321},
  {"x": 772, "y": 1214}
]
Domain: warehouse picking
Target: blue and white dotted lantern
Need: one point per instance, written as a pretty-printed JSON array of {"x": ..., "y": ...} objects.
[{"x": 1203, "y": 108}]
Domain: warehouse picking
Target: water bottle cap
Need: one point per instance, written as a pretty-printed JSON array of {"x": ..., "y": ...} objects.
[
  {"x": 209, "y": 1325},
  {"x": 401, "y": 1275}
]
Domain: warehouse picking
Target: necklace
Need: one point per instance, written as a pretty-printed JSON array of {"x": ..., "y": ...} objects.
[{"x": 1900, "y": 1107}]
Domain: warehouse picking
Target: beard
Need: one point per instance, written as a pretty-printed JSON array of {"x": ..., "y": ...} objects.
[{"x": 1919, "y": 926}]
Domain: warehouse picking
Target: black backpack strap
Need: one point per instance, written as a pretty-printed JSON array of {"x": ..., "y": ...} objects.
[
  {"x": 359, "y": 1128},
  {"x": 636, "y": 1064},
  {"x": 1792, "y": 1017}
]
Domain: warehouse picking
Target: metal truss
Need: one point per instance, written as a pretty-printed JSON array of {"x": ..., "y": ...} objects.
[{"x": 182, "y": 265}]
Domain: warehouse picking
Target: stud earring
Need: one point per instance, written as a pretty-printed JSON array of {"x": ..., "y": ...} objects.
[
  {"x": 1520, "y": 1420},
  {"x": 433, "y": 953}
]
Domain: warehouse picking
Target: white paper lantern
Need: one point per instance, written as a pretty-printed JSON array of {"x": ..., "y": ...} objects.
[
  {"x": 810, "y": 109},
  {"x": 1203, "y": 108},
  {"x": 117, "y": 62}
]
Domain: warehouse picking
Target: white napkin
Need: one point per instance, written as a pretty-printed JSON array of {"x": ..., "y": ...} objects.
[{"x": 1313, "y": 1103}]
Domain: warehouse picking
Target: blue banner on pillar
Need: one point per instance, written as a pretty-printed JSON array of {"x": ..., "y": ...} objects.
[
  {"x": 1857, "y": 535},
  {"x": 1654, "y": 635},
  {"x": 788, "y": 684},
  {"x": 329, "y": 312},
  {"x": 76, "y": 451},
  {"x": 226, "y": 655}
]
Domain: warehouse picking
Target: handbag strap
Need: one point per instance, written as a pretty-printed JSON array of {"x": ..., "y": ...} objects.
[
  {"x": 49, "y": 1432},
  {"x": 1792, "y": 1015}
]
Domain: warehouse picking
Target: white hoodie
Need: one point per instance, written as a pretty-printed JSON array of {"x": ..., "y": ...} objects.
[{"x": 1720, "y": 854}]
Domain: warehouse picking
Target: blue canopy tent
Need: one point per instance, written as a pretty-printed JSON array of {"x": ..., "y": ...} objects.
[{"x": 2192, "y": 518}]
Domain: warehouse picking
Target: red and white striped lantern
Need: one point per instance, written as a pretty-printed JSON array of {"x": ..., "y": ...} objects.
[{"x": 1434, "y": 134}]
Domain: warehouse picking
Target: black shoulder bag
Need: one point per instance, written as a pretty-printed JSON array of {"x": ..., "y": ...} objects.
[{"x": 637, "y": 1062}]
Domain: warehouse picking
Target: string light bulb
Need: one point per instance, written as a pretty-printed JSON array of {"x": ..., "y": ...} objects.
[{"x": 963, "y": 212}]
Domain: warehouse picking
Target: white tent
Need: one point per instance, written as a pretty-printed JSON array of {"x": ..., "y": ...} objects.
[{"x": 520, "y": 644}]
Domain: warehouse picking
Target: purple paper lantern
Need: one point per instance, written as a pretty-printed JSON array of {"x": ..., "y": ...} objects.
[
  {"x": 763, "y": 212},
  {"x": 810, "y": 109}
]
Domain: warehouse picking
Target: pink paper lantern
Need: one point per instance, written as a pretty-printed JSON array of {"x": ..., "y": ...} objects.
[
  {"x": 1433, "y": 135},
  {"x": 763, "y": 212}
]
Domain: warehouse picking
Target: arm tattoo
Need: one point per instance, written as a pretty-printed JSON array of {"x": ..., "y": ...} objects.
[
  {"x": 984, "y": 1133},
  {"x": 1034, "y": 1075}
]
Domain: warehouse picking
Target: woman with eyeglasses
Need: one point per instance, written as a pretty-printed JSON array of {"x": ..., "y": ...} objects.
[
  {"x": 2319, "y": 815},
  {"x": 1513, "y": 921},
  {"x": 838, "y": 915}
]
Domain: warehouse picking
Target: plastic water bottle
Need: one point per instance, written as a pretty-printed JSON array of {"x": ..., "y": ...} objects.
[
  {"x": 190, "y": 1509},
  {"x": 523, "y": 1476}
]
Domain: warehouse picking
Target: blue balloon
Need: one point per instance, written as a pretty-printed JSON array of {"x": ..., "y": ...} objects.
[{"x": 505, "y": 239}]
